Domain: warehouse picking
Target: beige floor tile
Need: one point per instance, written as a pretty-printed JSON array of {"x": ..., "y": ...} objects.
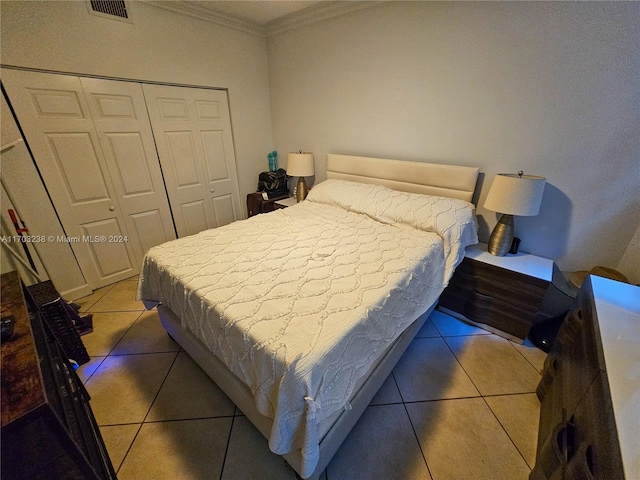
[
  {"x": 533, "y": 354},
  {"x": 185, "y": 450},
  {"x": 382, "y": 445},
  {"x": 189, "y": 393},
  {"x": 87, "y": 302},
  {"x": 428, "y": 330},
  {"x": 449, "y": 326},
  {"x": 108, "y": 330},
  {"x": 495, "y": 367},
  {"x": 146, "y": 335},
  {"x": 519, "y": 415},
  {"x": 461, "y": 439},
  {"x": 86, "y": 370},
  {"x": 388, "y": 393},
  {"x": 121, "y": 297},
  {"x": 429, "y": 371},
  {"x": 124, "y": 386},
  {"x": 249, "y": 457},
  {"x": 118, "y": 439}
]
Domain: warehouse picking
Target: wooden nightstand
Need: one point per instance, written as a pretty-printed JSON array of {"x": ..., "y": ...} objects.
[
  {"x": 499, "y": 294},
  {"x": 257, "y": 204},
  {"x": 284, "y": 203}
]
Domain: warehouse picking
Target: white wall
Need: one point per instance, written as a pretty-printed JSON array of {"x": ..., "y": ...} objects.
[
  {"x": 629, "y": 264},
  {"x": 158, "y": 46},
  {"x": 549, "y": 88}
]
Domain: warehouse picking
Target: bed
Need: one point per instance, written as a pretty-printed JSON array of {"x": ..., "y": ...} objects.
[{"x": 300, "y": 315}]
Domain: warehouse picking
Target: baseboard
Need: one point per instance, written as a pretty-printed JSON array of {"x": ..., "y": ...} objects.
[{"x": 77, "y": 292}]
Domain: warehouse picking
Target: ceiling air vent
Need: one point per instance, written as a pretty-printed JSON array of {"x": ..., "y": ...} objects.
[{"x": 115, "y": 9}]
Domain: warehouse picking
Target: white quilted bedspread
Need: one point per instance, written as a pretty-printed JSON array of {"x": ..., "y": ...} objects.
[{"x": 300, "y": 302}]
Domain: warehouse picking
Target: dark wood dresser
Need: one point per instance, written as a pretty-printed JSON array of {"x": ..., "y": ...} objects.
[
  {"x": 590, "y": 389},
  {"x": 48, "y": 429}
]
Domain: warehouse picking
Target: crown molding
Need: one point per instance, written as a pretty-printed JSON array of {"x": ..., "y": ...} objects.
[
  {"x": 312, "y": 14},
  {"x": 316, "y": 13},
  {"x": 192, "y": 9}
]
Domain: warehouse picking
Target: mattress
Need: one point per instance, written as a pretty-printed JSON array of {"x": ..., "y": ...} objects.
[{"x": 301, "y": 302}]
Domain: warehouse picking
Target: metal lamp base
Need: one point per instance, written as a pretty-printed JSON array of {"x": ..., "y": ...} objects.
[
  {"x": 301, "y": 190},
  {"x": 501, "y": 237}
]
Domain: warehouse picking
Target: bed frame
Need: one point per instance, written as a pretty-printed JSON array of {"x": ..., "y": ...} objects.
[{"x": 415, "y": 177}]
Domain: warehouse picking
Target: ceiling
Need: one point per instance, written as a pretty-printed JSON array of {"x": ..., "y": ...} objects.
[{"x": 259, "y": 12}]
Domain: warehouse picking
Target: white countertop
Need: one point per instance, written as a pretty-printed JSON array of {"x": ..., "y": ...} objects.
[
  {"x": 618, "y": 311},
  {"x": 524, "y": 263}
]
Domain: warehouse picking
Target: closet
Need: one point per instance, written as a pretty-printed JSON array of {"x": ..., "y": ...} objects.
[{"x": 127, "y": 165}]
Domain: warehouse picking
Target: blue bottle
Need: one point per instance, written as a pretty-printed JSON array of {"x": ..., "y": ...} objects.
[{"x": 273, "y": 161}]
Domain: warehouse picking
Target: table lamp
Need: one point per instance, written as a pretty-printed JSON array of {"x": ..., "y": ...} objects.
[
  {"x": 512, "y": 194},
  {"x": 300, "y": 165}
]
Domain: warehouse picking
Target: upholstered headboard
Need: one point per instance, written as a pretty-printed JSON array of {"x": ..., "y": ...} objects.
[{"x": 416, "y": 177}]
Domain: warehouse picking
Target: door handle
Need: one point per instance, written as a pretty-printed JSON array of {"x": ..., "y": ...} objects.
[{"x": 112, "y": 208}]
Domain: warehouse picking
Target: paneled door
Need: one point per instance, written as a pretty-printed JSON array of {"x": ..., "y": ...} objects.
[
  {"x": 192, "y": 130},
  {"x": 120, "y": 117},
  {"x": 58, "y": 127}
]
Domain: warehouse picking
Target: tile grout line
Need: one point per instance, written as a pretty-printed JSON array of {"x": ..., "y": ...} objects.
[
  {"x": 110, "y": 354},
  {"x": 112, "y": 348},
  {"x": 104, "y": 357},
  {"x": 150, "y": 406},
  {"x": 495, "y": 395},
  {"x": 170, "y": 420},
  {"x": 467, "y": 373},
  {"x": 98, "y": 299},
  {"x": 173, "y": 362},
  {"x": 525, "y": 357},
  {"x": 413, "y": 428},
  {"x": 505, "y": 431},
  {"x": 226, "y": 450},
  {"x": 487, "y": 404},
  {"x": 124, "y": 457},
  {"x": 140, "y": 353},
  {"x": 528, "y": 393},
  {"x": 123, "y": 335},
  {"x": 154, "y": 398},
  {"x": 462, "y": 366}
]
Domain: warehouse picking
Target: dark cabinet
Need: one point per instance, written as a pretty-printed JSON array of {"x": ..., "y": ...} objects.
[
  {"x": 48, "y": 428},
  {"x": 256, "y": 204},
  {"x": 500, "y": 298},
  {"x": 578, "y": 436}
]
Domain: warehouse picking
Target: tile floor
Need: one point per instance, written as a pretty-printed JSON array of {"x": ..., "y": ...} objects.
[{"x": 460, "y": 404}]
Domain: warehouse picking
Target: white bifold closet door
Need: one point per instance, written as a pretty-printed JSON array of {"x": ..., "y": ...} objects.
[
  {"x": 92, "y": 143},
  {"x": 192, "y": 130},
  {"x": 128, "y": 163},
  {"x": 120, "y": 116}
]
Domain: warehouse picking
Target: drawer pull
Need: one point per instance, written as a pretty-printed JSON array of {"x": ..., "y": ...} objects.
[
  {"x": 580, "y": 466},
  {"x": 478, "y": 307},
  {"x": 550, "y": 363},
  {"x": 482, "y": 296},
  {"x": 464, "y": 280},
  {"x": 467, "y": 276},
  {"x": 551, "y": 366},
  {"x": 553, "y": 453}
]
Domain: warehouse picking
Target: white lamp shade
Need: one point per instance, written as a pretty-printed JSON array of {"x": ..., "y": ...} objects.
[
  {"x": 300, "y": 165},
  {"x": 515, "y": 194}
]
